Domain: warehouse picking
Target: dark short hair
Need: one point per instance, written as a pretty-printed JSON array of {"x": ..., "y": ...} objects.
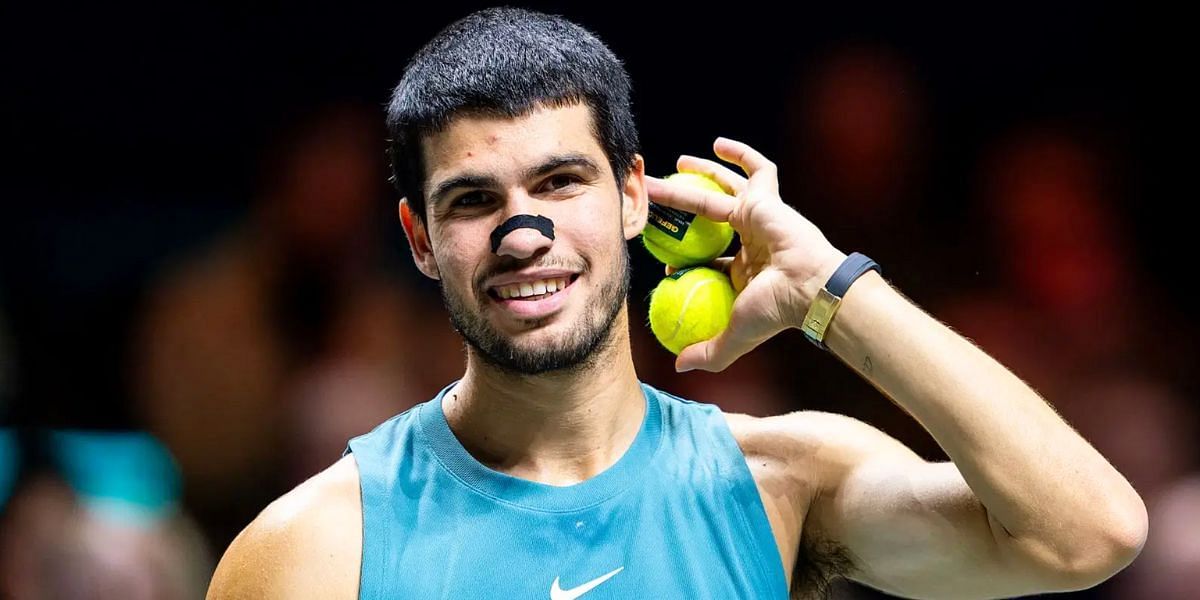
[{"x": 506, "y": 62}]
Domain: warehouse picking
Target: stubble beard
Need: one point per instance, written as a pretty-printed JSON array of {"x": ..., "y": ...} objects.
[{"x": 575, "y": 351}]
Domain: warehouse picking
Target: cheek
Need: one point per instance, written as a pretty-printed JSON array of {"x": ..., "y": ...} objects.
[
  {"x": 459, "y": 252},
  {"x": 600, "y": 247},
  {"x": 597, "y": 226}
]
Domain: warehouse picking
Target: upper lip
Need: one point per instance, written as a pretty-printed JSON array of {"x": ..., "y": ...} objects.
[{"x": 526, "y": 276}]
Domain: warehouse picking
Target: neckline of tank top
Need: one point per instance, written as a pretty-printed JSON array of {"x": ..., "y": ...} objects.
[{"x": 533, "y": 495}]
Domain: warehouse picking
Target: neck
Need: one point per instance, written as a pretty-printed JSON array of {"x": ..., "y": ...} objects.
[{"x": 557, "y": 428}]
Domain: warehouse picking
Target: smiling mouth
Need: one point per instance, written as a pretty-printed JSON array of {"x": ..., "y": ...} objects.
[{"x": 532, "y": 290}]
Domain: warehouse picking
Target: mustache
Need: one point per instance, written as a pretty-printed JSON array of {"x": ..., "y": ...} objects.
[{"x": 508, "y": 265}]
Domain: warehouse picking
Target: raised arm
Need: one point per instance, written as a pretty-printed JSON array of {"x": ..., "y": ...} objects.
[{"x": 1026, "y": 505}]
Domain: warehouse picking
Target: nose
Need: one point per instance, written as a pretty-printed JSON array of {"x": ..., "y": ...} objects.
[
  {"x": 523, "y": 243},
  {"x": 524, "y": 233}
]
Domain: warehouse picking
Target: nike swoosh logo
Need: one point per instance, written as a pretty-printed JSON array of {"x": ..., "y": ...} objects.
[{"x": 557, "y": 593}]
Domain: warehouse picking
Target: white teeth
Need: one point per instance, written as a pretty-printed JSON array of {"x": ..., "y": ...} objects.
[{"x": 531, "y": 288}]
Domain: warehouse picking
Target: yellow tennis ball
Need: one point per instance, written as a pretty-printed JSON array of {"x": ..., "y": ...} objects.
[
  {"x": 682, "y": 239},
  {"x": 689, "y": 306}
]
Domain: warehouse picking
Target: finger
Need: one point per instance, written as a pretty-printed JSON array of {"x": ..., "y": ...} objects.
[
  {"x": 750, "y": 160},
  {"x": 717, "y": 354},
  {"x": 707, "y": 203},
  {"x": 733, "y": 183},
  {"x": 738, "y": 271}
]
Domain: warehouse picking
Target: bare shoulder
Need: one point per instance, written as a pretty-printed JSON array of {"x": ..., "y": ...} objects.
[
  {"x": 306, "y": 544},
  {"x": 817, "y": 446}
]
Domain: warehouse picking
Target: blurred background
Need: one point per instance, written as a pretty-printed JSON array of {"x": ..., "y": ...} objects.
[{"x": 204, "y": 289}]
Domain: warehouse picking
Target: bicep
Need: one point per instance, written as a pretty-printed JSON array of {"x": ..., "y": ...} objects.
[{"x": 911, "y": 527}]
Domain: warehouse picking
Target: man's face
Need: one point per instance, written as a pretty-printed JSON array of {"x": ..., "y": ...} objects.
[{"x": 483, "y": 170}]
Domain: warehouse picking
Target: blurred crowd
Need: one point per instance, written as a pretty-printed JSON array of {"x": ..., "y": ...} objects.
[{"x": 252, "y": 358}]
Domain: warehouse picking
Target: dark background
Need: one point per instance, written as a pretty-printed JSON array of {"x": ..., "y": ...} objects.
[
  {"x": 136, "y": 133},
  {"x": 135, "y": 130}
]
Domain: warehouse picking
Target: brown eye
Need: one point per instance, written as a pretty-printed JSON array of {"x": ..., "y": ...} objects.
[
  {"x": 560, "y": 181},
  {"x": 471, "y": 199}
]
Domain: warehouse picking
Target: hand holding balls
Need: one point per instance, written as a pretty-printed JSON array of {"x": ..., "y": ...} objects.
[{"x": 693, "y": 304}]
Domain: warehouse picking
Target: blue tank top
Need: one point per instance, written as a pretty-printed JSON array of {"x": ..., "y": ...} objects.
[{"x": 677, "y": 516}]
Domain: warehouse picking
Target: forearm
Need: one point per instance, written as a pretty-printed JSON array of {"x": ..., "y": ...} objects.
[{"x": 1049, "y": 489}]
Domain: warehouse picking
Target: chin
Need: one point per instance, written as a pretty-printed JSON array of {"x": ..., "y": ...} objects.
[{"x": 560, "y": 346}]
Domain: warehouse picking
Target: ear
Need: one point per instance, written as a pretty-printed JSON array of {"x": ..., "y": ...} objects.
[
  {"x": 418, "y": 241},
  {"x": 636, "y": 200}
]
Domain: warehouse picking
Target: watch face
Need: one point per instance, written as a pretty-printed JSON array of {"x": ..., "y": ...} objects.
[{"x": 820, "y": 313}]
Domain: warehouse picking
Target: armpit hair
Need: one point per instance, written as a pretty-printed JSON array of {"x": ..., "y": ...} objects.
[{"x": 819, "y": 563}]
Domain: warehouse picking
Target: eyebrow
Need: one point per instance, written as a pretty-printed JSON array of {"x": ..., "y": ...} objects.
[{"x": 475, "y": 180}]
